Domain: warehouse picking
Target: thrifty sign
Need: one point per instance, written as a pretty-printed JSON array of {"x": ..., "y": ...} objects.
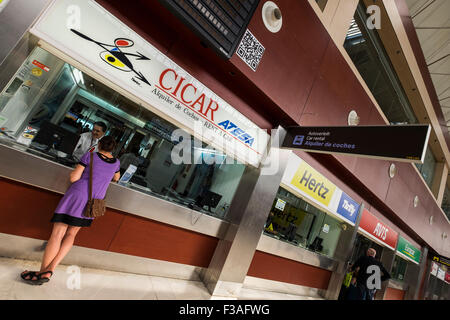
[{"x": 405, "y": 143}]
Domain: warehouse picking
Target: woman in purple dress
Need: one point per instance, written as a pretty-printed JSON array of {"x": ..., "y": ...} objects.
[{"x": 68, "y": 217}]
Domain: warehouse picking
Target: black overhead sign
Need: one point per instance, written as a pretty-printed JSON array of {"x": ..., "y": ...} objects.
[
  {"x": 395, "y": 142},
  {"x": 220, "y": 23},
  {"x": 440, "y": 259}
]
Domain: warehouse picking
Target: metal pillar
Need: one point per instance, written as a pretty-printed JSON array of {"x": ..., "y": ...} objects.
[
  {"x": 414, "y": 276},
  {"x": 17, "y": 17},
  {"x": 387, "y": 259},
  {"x": 248, "y": 213},
  {"x": 343, "y": 254}
]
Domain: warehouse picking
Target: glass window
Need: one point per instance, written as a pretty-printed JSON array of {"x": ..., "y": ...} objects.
[
  {"x": 446, "y": 202},
  {"x": 427, "y": 167},
  {"x": 293, "y": 220},
  {"x": 367, "y": 52},
  {"x": 49, "y": 105},
  {"x": 360, "y": 248},
  {"x": 399, "y": 269}
]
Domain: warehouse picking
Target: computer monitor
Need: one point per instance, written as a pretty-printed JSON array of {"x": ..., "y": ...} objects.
[
  {"x": 210, "y": 199},
  {"x": 291, "y": 231},
  {"x": 57, "y": 137}
]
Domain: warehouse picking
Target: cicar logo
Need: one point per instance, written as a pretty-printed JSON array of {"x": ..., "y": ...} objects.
[{"x": 175, "y": 84}]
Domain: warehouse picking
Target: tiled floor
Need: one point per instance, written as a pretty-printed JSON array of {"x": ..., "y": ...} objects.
[{"x": 69, "y": 283}]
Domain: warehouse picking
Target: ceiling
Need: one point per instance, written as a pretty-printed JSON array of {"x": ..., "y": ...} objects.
[{"x": 431, "y": 19}]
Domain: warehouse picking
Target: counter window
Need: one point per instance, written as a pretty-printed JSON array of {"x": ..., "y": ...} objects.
[
  {"x": 446, "y": 202},
  {"x": 293, "y": 220},
  {"x": 49, "y": 105},
  {"x": 399, "y": 269},
  {"x": 428, "y": 167},
  {"x": 362, "y": 244}
]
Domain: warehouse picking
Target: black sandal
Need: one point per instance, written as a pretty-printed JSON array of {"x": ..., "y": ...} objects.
[
  {"x": 44, "y": 280},
  {"x": 39, "y": 281},
  {"x": 32, "y": 274}
]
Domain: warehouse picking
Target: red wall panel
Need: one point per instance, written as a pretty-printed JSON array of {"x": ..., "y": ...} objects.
[
  {"x": 275, "y": 268},
  {"x": 145, "y": 238},
  {"x": 394, "y": 294},
  {"x": 291, "y": 58},
  {"x": 374, "y": 173},
  {"x": 26, "y": 211},
  {"x": 335, "y": 93}
]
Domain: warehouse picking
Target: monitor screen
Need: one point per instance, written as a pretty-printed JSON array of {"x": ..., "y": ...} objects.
[
  {"x": 54, "y": 136},
  {"x": 210, "y": 199}
]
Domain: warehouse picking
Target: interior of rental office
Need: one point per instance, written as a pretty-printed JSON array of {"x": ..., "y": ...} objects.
[
  {"x": 294, "y": 220},
  {"x": 48, "y": 103}
]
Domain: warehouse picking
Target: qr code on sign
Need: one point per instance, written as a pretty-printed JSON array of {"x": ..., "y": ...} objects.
[{"x": 250, "y": 50}]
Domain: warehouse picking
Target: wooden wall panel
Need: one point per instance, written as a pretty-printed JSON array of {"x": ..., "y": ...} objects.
[
  {"x": 291, "y": 58},
  {"x": 26, "y": 211},
  {"x": 275, "y": 268},
  {"x": 150, "y": 239},
  {"x": 336, "y": 92},
  {"x": 394, "y": 294},
  {"x": 101, "y": 232}
]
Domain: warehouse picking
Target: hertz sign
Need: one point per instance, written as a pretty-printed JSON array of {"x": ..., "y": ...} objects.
[{"x": 313, "y": 184}]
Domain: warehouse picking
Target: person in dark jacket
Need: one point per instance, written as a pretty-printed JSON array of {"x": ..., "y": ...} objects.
[{"x": 365, "y": 275}]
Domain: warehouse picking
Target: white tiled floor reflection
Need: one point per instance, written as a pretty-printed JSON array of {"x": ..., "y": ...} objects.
[{"x": 102, "y": 284}]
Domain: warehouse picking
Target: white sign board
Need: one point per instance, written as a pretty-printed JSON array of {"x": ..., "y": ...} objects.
[
  {"x": 441, "y": 274},
  {"x": 280, "y": 204},
  {"x": 434, "y": 269},
  {"x": 3, "y": 4},
  {"x": 85, "y": 31}
]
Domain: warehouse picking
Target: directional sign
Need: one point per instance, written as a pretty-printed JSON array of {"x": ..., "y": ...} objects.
[{"x": 395, "y": 142}]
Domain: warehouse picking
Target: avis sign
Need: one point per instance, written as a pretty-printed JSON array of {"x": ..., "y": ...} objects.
[{"x": 375, "y": 229}]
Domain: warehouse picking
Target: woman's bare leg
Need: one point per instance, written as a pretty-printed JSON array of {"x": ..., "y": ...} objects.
[
  {"x": 66, "y": 245},
  {"x": 53, "y": 245}
]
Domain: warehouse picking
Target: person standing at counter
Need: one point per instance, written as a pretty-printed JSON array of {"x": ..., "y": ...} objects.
[
  {"x": 88, "y": 141},
  {"x": 362, "y": 266},
  {"x": 68, "y": 218},
  {"x": 128, "y": 158}
]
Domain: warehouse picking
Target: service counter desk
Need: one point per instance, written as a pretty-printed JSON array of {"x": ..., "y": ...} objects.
[
  {"x": 396, "y": 290},
  {"x": 145, "y": 208}
]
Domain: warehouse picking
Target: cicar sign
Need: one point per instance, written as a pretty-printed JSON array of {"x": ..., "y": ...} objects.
[
  {"x": 377, "y": 230},
  {"x": 108, "y": 47}
]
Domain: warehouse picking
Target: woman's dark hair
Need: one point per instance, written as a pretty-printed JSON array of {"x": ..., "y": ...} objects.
[{"x": 107, "y": 144}]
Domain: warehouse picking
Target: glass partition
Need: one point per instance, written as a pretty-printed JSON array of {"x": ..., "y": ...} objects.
[
  {"x": 362, "y": 244},
  {"x": 428, "y": 167},
  {"x": 367, "y": 52},
  {"x": 399, "y": 269},
  {"x": 294, "y": 220},
  {"x": 50, "y": 105},
  {"x": 446, "y": 202}
]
